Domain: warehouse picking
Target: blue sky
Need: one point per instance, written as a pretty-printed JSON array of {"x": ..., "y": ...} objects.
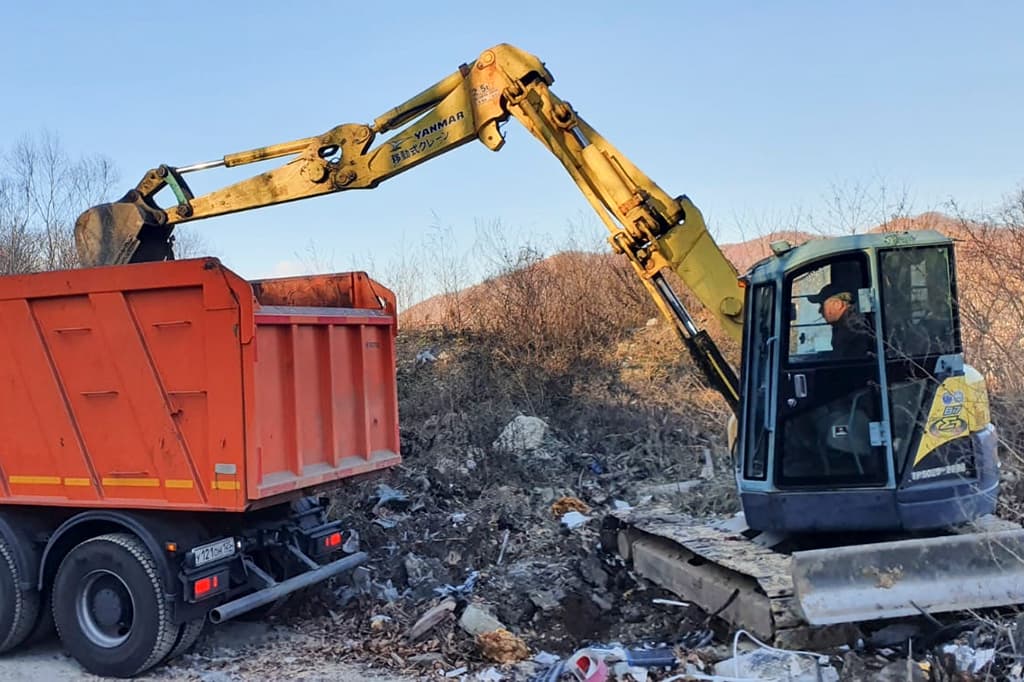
[{"x": 754, "y": 109}]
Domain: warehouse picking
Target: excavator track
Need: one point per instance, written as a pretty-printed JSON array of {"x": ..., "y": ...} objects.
[{"x": 747, "y": 580}]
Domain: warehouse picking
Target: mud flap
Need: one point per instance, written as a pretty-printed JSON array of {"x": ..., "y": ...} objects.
[{"x": 902, "y": 578}]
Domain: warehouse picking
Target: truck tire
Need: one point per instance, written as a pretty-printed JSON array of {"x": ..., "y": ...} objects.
[
  {"x": 189, "y": 635},
  {"x": 44, "y": 628},
  {"x": 18, "y": 609},
  {"x": 108, "y": 604}
]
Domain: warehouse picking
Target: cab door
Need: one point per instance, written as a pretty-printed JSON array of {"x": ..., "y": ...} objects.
[{"x": 829, "y": 429}]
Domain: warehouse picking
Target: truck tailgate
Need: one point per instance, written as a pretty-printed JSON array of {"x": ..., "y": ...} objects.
[{"x": 325, "y": 396}]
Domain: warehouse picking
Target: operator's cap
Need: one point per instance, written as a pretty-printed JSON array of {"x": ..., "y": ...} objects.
[{"x": 830, "y": 290}]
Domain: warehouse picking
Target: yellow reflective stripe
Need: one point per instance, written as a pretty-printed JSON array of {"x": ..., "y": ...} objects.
[
  {"x": 131, "y": 482},
  {"x": 177, "y": 483},
  {"x": 226, "y": 485},
  {"x": 35, "y": 480}
]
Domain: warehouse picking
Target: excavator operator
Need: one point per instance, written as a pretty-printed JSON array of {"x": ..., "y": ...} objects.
[{"x": 851, "y": 334}]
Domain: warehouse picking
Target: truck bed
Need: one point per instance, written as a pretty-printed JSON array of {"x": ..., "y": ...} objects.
[{"x": 179, "y": 385}]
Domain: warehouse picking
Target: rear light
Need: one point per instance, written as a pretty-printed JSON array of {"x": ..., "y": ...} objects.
[
  {"x": 207, "y": 586},
  {"x": 333, "y": 540},
  {"x": 204, "y": 586}
]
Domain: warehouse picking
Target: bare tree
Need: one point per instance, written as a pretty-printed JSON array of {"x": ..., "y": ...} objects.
[
  {"x": 448, "y": 270},
  {"x": 188, "y": 243},
  {"x": 42, "y": 191}
]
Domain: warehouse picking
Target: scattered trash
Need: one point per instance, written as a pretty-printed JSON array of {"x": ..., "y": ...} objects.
[
  {"x": 586, "y": 667},
  {"x": 574, "y": 519},
  {"x": 463, "y": 590},
  {"x": 458, "y": 517},
  {"x": 621, "y": 505},
  {"x": 563, "y": 505},
  {"x": 767, "y": 662},
  {"x": 670, "y": 602},
  {"x": 969, "y": 659},
  {"x": 457, "y": 672},
  {"x": 386, "y": 522},
  {"x": 351, "y": 544},
  {"x": 379, "y": 621},
  {"x": 476, "y": 621},
  {"x": 425, "y": 356},
  {"x": 501, "y": 646},
  {"x": 504, "y": 546},
  {"x": 431, "y": 619},
  {"x": 390, "y": 497},
  {"x": 663, "y": 657},
  {"x": 771, "y": 664},
  {"x": 489, "y": 675},
  {"x": 546, "y": 658}
]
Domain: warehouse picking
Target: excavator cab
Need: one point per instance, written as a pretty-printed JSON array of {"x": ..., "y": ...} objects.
[{"x": 860, "y": 412}]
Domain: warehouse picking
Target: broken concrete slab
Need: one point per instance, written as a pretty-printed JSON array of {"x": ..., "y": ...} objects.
[
  {"x": 523, "y": 434},
  {"x": 476, "y": 620}
]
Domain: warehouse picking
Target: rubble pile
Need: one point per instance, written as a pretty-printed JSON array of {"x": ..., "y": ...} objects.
[
  {"x": 489, "y": 555},
  {"x": 486, "y": 563}
]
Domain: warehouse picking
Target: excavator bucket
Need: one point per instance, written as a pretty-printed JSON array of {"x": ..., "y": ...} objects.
[
  {"x": 118, "y": 233},
  {"x": 909, "y": 577}
]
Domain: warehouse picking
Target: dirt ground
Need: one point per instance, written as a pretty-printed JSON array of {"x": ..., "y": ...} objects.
[{"x": 234, "y": 651}]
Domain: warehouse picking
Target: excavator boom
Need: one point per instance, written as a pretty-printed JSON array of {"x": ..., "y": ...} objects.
[{"x": 659, "y": 234}]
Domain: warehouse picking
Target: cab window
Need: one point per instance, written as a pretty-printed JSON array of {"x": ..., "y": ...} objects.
[
  {"x": 824, "y": 320},
  {"x": 918, "y": 302}
]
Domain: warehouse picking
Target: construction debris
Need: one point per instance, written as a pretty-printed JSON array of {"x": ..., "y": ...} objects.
[
  {"x": 477, "y": 621},
  {"x": 486, "y": 545},
  {"x": 431, "y": 619},
  {"x": 522, "y": 435}
]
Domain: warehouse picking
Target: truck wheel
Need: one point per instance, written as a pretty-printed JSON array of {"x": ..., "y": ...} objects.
[
  {"x": 18, "y": 609},
  {"x": 44, "y": 628},
  {"x": 188, "y": 636},
  {"x": 108, "y": 604}
]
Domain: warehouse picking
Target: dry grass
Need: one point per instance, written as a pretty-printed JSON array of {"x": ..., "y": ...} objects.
[{"x": 574, "y": 339}]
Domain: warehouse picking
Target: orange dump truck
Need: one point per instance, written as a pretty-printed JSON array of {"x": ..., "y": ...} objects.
[{"x": 165, "y": 431}]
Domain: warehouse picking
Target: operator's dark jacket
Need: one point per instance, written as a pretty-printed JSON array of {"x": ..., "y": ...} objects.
[{"x": 851, "y": 336}]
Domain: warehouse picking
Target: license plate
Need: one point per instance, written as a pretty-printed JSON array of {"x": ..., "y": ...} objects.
[{"x": 214, "y": 551}]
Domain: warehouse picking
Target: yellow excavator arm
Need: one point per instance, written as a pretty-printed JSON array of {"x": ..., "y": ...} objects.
[{"x": 656, "y": 232}]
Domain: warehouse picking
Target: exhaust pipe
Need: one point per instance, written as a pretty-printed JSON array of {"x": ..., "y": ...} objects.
[{"x": 233, "y": 609}]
